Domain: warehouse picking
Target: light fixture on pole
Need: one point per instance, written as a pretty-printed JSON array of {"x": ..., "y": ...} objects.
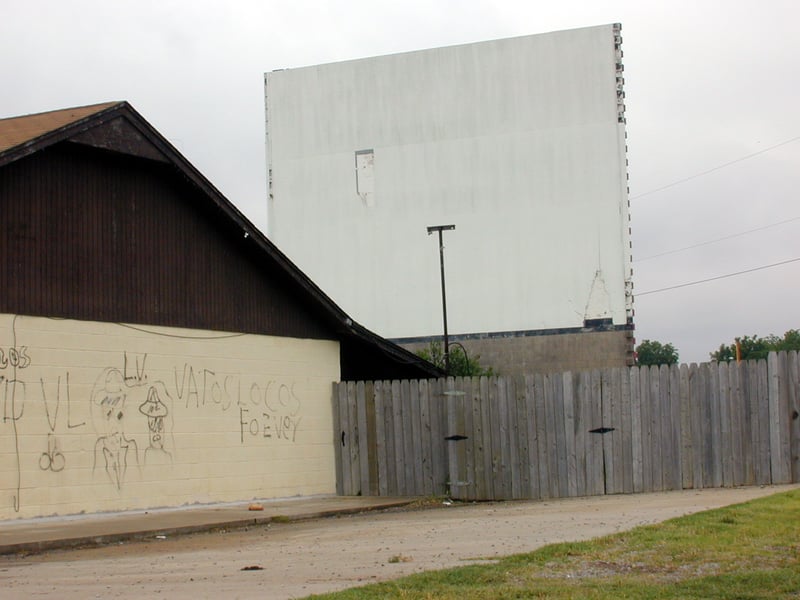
[{"x": 440, "y": 229}]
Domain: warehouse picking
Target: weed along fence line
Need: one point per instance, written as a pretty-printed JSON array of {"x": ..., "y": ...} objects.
[{"x": 611, "y": 431}]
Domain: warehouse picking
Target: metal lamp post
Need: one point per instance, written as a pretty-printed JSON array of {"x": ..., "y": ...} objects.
[{"x": 440, "y": 229}]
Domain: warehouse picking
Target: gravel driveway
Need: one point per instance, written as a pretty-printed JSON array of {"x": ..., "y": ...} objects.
[{"x": 296, "y": 559}]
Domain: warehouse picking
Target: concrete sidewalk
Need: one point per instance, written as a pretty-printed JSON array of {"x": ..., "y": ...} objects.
[{"x": 49, "y": 533}]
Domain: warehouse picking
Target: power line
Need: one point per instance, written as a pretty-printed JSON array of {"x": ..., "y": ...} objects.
[
  {"x": 717, "y": 168},
  {"x": 674, "y": 287},
  {"x": 727, "y": 237}
]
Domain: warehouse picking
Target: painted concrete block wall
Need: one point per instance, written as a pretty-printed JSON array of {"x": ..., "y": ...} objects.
[
  {"x": 102, "y": 416},
  {"x": 524, "y": 355},
  {"x": 519, "y": 142}
]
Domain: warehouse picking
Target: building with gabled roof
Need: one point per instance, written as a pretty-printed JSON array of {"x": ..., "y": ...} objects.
[
  {"x": 279, "y": 298},
  {"x": 155, "y": 347}
]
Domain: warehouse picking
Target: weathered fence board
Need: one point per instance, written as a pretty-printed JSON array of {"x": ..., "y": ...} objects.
[
  {"x": 338, "y": 426},
  {"x": 425, "y": 437},
  {"x": 777, "y": 406},
  {"x": 655, "y": 449},
  {"x": 516, "y": 442},
  {"x": 558, "y": 448},
  {"x": 625, "y": 435},
  {"x": 488, "y": 448},
  {"x": 661, "y": 427},
  {"x": 646, "y": 433},
  {"x": 704, "y": 458},
  {"x": 687, "y": 467},
  {"x": 580, "y": 401},
  {"x": 438, "y": 433},
  {"x": 763, "y": 412},
  {"x": 794, "y": 414},
  {"x": 394, "y": 427},
  {"x": 479, "y": 441},
  {"x": 715, "y": 430},
  {"x": 676, "y": 431},
  {"x": 595, "y": 462},
  {"x": 380, "y": 440},
  {"x": 363, "y": 434},
  {"x": 725, "y": 425},
  {"x": 496, "y": 455},
  {"x": 738, "y": 426},
  {"x": 533, "y": 449},
  {"x": 571, "y": 434},
  {"x": 469, "y": 444},
  {"x": 607, "y": 437},
  {"x": 636, "y": 431},
  {"x": 696, "y": 435},
  {"x": 504, "y": 431}
]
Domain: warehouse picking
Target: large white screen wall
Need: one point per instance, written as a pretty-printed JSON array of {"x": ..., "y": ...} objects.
[{"x": 518, "y": 142}]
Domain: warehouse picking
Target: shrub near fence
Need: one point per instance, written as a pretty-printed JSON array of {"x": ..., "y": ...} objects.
[{"x": 614, "y": 431}]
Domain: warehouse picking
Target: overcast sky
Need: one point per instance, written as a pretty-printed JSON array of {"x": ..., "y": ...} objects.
[{"x": 708, "y": 84}]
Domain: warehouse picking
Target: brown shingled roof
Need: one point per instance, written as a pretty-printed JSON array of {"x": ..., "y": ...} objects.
[{"x": 17, "y": 131}]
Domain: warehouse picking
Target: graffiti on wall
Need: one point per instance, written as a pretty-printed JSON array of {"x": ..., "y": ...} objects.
[
  {"x": 273, "y": 412},
  {"x": 18, "y": 399},
  {"x": 110, "y": 407},
  {"x": 13, "y": 358},
  {"x": 268, "y": 409},
  {"x": 156, "y": 412},
  {"x": 129, "y": 412},
  {"x": 52, "y": 459}
]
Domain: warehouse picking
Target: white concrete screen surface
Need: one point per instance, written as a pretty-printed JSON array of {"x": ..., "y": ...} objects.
[
  {"x": 103, "y": 416},
  {"x": 518, "y": 142}
]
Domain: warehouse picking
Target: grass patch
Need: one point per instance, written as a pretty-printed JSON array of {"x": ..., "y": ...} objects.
[
  {"x": 749, "y": 550},
  {"x": 280, "y": 519}
]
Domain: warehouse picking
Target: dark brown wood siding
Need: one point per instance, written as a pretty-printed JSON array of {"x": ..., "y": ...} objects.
[{"x": 94, "y": 235}]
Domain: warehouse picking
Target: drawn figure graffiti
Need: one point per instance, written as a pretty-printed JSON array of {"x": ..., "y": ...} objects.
[
  {"x": 155, "y": 410},
  {"x": 52, "y": 460},
  {"x": 108, "y": 397}
]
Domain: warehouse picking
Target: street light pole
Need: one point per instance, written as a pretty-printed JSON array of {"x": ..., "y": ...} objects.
[{"x": 441, "y": 228}]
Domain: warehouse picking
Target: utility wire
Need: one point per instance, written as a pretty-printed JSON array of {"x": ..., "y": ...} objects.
[
  {"x": 221, "y": 336},
  {"x": 674, "y": 287},
  {"x": 727, "y": 237},
  {"x": 717, "y": 168}
]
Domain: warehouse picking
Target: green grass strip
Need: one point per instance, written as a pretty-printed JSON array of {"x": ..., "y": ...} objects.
[{"x": 744, "y": 551}]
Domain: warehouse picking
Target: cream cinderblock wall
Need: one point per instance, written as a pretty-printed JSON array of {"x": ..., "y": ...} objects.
[{"x": 104, "y": 416}]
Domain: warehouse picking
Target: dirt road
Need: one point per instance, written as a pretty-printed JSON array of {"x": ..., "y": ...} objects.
[{"x": 296, "y": 559}]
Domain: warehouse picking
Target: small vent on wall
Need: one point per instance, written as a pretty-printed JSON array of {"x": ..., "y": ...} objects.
[{"x": 365, "y": 176}]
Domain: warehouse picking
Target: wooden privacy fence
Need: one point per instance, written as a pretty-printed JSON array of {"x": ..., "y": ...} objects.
[{"x": 628, "y": 430}]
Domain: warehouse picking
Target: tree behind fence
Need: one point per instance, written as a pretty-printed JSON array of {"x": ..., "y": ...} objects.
[{"x": 629, "y": 430}]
